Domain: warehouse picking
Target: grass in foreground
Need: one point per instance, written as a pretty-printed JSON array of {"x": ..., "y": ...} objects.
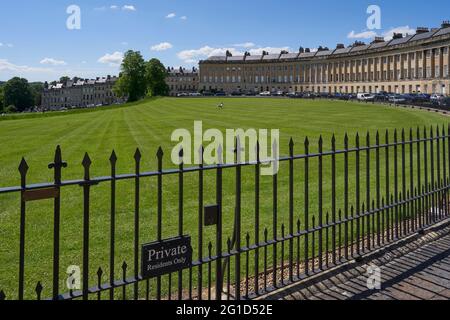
[{"x": 148, "y": 125}]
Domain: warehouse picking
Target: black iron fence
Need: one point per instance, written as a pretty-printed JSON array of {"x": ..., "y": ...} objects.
[{"x": 376, "y": 194}]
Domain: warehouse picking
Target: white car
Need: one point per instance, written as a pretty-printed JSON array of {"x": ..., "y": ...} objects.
[
  {"x": 365, "y": 97},
  {"x": 265, "y": 94},
  {"x": 195, "y": 94},
  {"x": 436, "y": 97}
]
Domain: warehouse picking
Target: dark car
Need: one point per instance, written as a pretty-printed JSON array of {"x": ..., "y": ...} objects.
[
  {"x": 381, "y": 97},
  {"x": 220, "y": 94},
  {"x": 423, "y": 97}
]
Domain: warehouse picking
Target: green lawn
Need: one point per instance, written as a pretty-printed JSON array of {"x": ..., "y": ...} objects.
[{"x": 148, "y": 125}]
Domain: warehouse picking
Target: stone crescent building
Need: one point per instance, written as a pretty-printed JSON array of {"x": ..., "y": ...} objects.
[
  {"x": 405, "y": 64},
  {"x": 80, "y": 93},
  {"x": 182, "y": 80}
]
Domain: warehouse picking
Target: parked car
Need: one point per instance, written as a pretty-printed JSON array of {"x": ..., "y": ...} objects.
[
  {"x": 195, "y": 94},
  {"x": 366, "y": 97},
  {"x": 396, "y": 98},
  {"x": 265, "y": 94},
  {"x": 381, "y": 97},
  {"x": 436, "y": 97},
  {"x": 290, "y": 94},
  {"x": 445, "y": 102},
  {"x": 423, "y": 97},
  {"x": 220, "y": 94}
]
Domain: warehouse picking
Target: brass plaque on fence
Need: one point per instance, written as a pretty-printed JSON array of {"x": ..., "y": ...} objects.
[{"x": 40, "y": 194}]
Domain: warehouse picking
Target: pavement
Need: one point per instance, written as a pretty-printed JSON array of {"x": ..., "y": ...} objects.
[{"x": 417, "y": 269}]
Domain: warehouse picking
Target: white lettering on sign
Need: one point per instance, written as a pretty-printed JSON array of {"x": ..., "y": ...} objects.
[{"x": 165, "y": 253}]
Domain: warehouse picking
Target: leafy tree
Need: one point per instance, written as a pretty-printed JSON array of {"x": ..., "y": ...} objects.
[
  {"x": 132, "y": 82},
  {"x": 156, "y": 75},
  {"x": 18, "y": 93},
  {"x": 36, "y": 89},
  {"x": 64, "y": 79},
  {"x": 1, "y": 99}
]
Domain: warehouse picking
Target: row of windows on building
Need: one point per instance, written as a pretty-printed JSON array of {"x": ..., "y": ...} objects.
[
  {"x": 324, "y": 77},
  {"x": 386, "y": 59}
]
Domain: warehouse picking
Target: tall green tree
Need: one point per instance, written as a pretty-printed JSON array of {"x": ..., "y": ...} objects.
[
  {"x": 132, "y": 82},
  {"x": 36, "y": 90},
  {"x": 64, "y": 79},
  {"x": 2, "y": 106},
  {"x": 18, "y": 93},
  {"x": 156, "y": 78}
]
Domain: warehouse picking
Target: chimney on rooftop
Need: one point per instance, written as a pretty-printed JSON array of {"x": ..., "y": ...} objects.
[
  {"x": 358, "y": 43},
  {"x": 421, "y": 30},
  {"x": 397, "y": 35},
  {"x": 301, "y": 50},
  {"x": 307, "y": 50},
  {"x": 340, "y": 46},
  {"x": 378, "y": 40},
  {"x": 445, "y": 24}
]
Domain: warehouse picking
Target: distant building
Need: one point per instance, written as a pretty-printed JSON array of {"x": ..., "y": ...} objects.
[
  {"x": 182, "y": 80},
  {"x": 406, "y": 64},
  {"x": 80, "y": 93}
]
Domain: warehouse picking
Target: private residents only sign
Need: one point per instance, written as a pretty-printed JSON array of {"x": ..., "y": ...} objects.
[{"x": 166, "y": 256}]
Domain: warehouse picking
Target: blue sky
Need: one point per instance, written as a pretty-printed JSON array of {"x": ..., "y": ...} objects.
[{"x": 35, "y": 42}]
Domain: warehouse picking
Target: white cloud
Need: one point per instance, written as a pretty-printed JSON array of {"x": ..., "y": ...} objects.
[
  {"x": 171, "y": 15},
  {"x": 124, "y": 43},
  {"x": 245, "y": 45},
  {"x": 183, "y": 18},
  {"x": 53, "y": 62},
  {"x": 114, "y": 59},
  {"x": 162, "y": 46},
  {"x": 129, "y": 7},
  {"x": 388, "y": 35},
  {"x": 8, "y": 45},
  {"x": 5, "y": 65},
  {"x": 1, "y": 44},
  {"x": 362, "y": 35},
  {"x": 114, "y": 7},
  {"x": 192, "y": 56}
]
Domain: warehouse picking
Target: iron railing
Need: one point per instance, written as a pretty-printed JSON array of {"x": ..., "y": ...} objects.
[{"x": 405, "y": 192}]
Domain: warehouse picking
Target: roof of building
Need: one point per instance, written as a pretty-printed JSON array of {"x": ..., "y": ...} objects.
[
  {"x": 271, "y": 56},
  {"x": 342, "y": 50},
  {"x": 307, "y": 54},
  {"x": 358, "y": 48},
  {"x": 82, "y": 82},
  {"x": 442, "y": 32},
  {"x": 403, "y": 40},
  {"x": 378, "y": 45},
  {"x": 324, "y": 53},
  {"x": 217, "y": 58},
  {"x": 253, "y": 58},
  {"x": 286, "y": 56},
  {"x": 421, "y": 35},
  {"x": 235, "y": 58}
]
